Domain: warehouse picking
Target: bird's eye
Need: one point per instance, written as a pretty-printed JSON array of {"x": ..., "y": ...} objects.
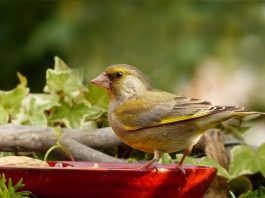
[{"x": 118, "y": 75}]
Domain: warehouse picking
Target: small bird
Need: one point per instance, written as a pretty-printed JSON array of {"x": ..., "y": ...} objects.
[{"x": 156, "y": 121}]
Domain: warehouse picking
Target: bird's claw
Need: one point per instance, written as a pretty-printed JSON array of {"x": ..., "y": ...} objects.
[
  {"x": 151, "y": 168},
  {"x": 180, "y": 167}
]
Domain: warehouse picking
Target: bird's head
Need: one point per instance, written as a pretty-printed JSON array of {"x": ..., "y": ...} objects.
[{"x": 122, "y": 81}]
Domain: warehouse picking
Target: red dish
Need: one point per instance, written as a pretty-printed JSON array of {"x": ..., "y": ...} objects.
[{"x": 89, "y": 179}]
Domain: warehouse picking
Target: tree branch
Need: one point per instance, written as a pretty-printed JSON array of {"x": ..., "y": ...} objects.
[{"x": 18, "y": 138}]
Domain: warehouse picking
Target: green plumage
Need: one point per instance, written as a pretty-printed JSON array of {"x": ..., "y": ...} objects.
[
  {"x": 156, "y": 107},
  {"x": 152, "y": 120}
]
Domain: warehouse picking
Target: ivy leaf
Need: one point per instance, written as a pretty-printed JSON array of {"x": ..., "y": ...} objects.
[
  {"x": 188, "y": 160},
  {"x": 206, "y": 161},
  {"x": 258, "y": 193},
  {"x": 240, "y": 185},
  {"x": 93, "y": 113},
  {"x": 22, "y": 79},
  {"x": 87, "y": 125},
  {"x": 65, "y": 81},
  {"x": 35, "y": 106},
  {"x": 166, "y": 159},
  {"x": 11, "y": 101},
  {"x": 97, "y": 96},
  {"x": 73, "y": 116},
  {"x": 3, "y": 115},
  {"x": 236, "y": 131},
  {"x": 60, "y": 65},
  {"x": 243, "y": 161},
  {"x": 260, "y": 158},
  {"x": 88, "y": 121}
]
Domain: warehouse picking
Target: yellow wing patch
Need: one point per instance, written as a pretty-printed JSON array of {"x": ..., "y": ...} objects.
[
  {"x": 156, "y": 109},
  {"x": 182, "y": 118},
  {"x": 169, "y": 120}
]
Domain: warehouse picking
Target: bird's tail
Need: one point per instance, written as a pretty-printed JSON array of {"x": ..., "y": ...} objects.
[
  {"x": 245, "y": 113},
  {"x": 212, "y": 120}
]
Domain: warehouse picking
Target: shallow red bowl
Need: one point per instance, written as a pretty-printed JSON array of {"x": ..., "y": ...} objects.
[{"x": 89, "y": 179}]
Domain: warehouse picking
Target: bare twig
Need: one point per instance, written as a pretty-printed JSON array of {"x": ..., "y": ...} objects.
[{"x": 17, "y": 138}]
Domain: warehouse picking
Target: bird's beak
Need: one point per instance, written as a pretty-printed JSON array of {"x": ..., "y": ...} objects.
[{"x": 102, "y": 81}]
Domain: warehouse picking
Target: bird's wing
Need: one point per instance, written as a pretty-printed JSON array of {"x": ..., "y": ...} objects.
[{"x": 158, "y": 108}]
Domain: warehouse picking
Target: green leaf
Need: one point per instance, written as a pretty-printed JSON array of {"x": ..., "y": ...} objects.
[
  {"x": 35, "y": 106},
  {"x": 243, "y": 161},
  {"x": 87, "y": 125},
  {"x": 89, "y": 119},
  {"x": 260, "y": 158},
  {"x": 131, "y": 160},
  {"x": 206, "y": 161},
  {"x": 240, "y": 185},
  {"x": 22, "y": 79},
  {"x": 166, "y": 159},
  {"x": 19, "y": 184},
  {"x": 10, "y": 188},
  {"x": 93, "y": 113},
  {"x": 236, "y": 131},
  {"x": 65, "y": 81},
  {"x": 3, "y": 116},
  {"x": 59, "y": 64},
  {"x": 72, "y": 115},
  {"x": 10, "y": 191},
  {"x": 259, "y": 193},
  {"x": 188, "y": 160},
  {"x": 97, "y": 96},
  {"x": 11, "y": 102}
]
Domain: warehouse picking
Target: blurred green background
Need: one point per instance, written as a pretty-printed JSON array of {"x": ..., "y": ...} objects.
[{"x": 213, "y": 50}]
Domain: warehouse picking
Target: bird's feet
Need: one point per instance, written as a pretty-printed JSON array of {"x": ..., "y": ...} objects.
[
  {"x": 149, "y": 165},
  {"x": 180, "y": 168}
]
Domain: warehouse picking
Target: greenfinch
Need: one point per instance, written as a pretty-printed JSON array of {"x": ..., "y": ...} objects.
[{"x": 156, "y": 121}]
